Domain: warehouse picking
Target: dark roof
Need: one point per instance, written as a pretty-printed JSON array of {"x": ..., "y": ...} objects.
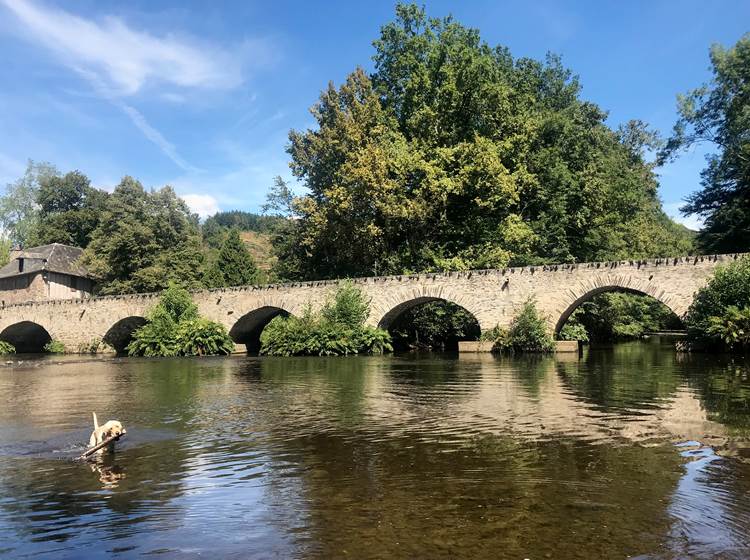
[{"x": 53, "y": 258}]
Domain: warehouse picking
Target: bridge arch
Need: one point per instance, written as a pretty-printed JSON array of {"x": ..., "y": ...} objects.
[
  {"x": 430, "y": 323},
  {"x": 581, "y": 294},
  {"x": 248, "y": 328},
  {"x": 27, "y": 337},
  {"x": 120, "y": 334},
  {"x": 385, "y": 311}
]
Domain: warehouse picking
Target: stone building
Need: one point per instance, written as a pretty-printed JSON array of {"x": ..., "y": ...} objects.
[{"x": 44, "y": 273}]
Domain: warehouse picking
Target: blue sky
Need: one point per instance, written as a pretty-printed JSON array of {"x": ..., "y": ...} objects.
[{"x": 201, "y": 95}]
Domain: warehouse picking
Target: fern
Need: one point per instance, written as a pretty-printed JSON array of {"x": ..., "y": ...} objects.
[{"x": 6, "y": 348}]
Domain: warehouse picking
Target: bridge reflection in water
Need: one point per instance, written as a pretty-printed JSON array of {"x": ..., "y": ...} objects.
[{"x": 394, "y": 456}]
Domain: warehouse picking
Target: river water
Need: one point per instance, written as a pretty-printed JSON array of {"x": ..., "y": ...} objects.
[{"x": 628, "y": 451}]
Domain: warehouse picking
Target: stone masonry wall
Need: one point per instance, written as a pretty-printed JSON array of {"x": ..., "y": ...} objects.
[
  {"x": 18, "y": 289},
  {"x": 493, "y": 296}
]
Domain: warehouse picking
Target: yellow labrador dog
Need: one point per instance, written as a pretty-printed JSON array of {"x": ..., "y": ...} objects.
[{"x": 108, "y": 430}]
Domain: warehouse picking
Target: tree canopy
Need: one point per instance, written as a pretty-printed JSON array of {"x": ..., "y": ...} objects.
[
  {"x": 144, "y": 240},
  {"x": 719, "y": 113},
  {"x": 454, "y": 155},
  {"x": 69, "y": 209},
  {"x": 234, "y": 266},
  {"x": 18, "y": 206}
]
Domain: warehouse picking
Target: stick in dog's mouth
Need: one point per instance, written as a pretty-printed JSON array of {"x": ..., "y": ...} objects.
[{"x": 104, "y": 443}]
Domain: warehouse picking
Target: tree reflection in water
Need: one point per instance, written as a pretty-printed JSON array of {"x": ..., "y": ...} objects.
[{"x": 396, "y": 456}]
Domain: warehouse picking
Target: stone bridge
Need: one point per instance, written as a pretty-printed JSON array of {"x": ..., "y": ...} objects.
[{"x": 492, "y": 296}]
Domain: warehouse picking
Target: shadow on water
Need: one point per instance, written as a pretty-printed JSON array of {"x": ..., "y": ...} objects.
[
  {"x": 623, "y": 376},
  {"x": 418, "y": 455}
]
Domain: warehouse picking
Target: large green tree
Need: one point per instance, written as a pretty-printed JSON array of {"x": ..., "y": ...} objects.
[
  {"x": 718, "y": 113},
  {"x": 144, "y": 240},
  {"x": 19, "y": 211},
  {"x": 69, "y": 209},
  {"x": 452, "y": 155},
  {"x": 234, "y": 266}
]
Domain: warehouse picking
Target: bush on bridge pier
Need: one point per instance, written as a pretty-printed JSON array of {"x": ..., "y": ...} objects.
[
  {"x": 338, "y": 329},
  {"x": 174, "y": 328},
  {"x": 527, "y": 333}
]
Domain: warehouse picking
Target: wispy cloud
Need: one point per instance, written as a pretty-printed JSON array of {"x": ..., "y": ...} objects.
[
  {"x": 126, "y": 58},
  {"x": 156, "y": 137},
  {"x": 119, "y": 61}
]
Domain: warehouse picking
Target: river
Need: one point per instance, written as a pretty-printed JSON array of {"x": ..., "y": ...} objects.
[{"x": 628, "y": 451}]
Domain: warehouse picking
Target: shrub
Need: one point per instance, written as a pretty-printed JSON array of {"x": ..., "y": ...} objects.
[
  {"x": 94, "y": 346},
  {"x": 338, "y": 329},
  {"x": 573, "y": 330},
  {"x": 6, "y": 348},
  {"x": 349, "y": 308},
  {"x": 176, "y": 304},
  {"x": 527, "y": 333},
  {"x": 718, "y": 308},
  {"x": 374, "y": 340},
  {"x": 201, "y": 337},
  {"x": 494, "y": 333},
  {"x": 54, "y": 347},
  {"x": 733, "y": 328},
  {"x": 152, "y": 340},
  {"x": 174, "y": 328}
]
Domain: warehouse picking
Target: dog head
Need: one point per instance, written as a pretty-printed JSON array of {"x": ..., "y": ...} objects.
[{"x": 113, "y": 428}]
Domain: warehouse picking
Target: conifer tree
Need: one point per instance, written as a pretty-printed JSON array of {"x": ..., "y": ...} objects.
[{"x": 235, "y": 265}]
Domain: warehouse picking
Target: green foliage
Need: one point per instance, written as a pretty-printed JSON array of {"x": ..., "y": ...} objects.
[
  {"x": 719, "y": 307},
  {"x": 174, "y": 328},
  {"x": 217, "y": 226},
  {"x": 69, "y": 210},
  {"x": 338, "y": 329},
  {"x": 573, "y": 330},
  {"x": 154, "y": 340},
  {"x": 618, "y": 316},
  {"x": 6, "y": 348},
  {"x": 719, "y": 113},
  {"x": 201, "y": 337},
  {"x": 95, "y": 346},
  {"x": 213, "y": 278},
  {"x": 438, "y": 324},
  {"x": 310, "y": 335},
  {"x": 55, "y": 347},
  {"x": 733, "y": 328},
  {"x": 454, "y": 155},
  {"x": 349, "y": 308},
  {"x": 144, "y": 240},
  {"x": 234, "y": 266},
  {"x": 493, "y": 334},
  {"x": 4, "y": 251},
  {"x": 527, "y": 333},
  {"x": 160, "y": 335},
  {"x": 175, "y": 304},
  {"x": 18, "y": 207}
]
